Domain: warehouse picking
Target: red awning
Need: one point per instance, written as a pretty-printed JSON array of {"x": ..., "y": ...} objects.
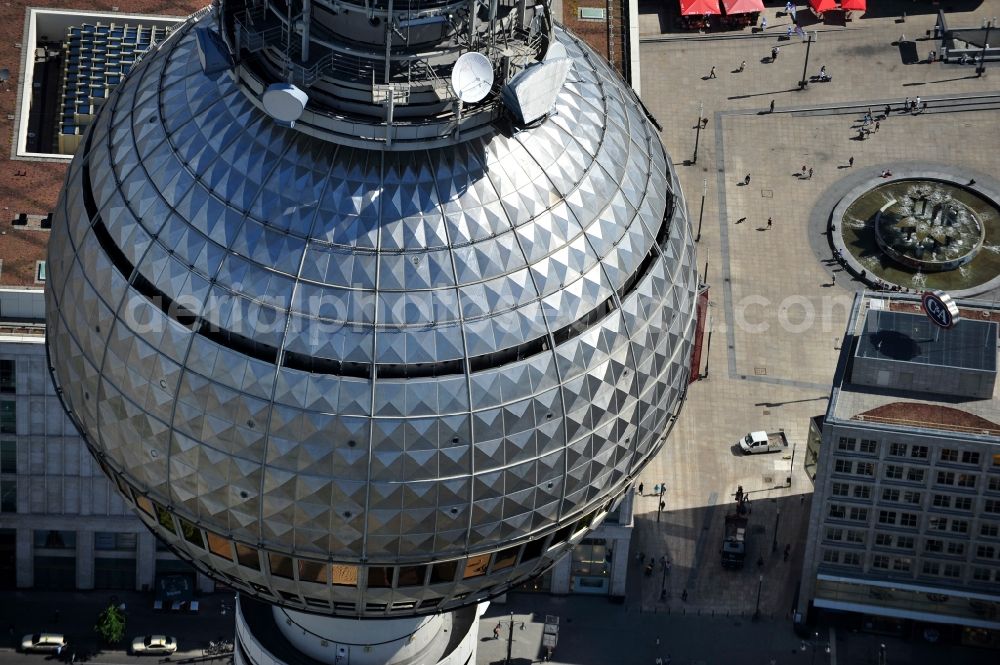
[
  {"x": 854, "y": 5},
  {"x": 824, "y": 5},
  {"x": 699, "y": 7},
  {"x": 743, "y": 6}
]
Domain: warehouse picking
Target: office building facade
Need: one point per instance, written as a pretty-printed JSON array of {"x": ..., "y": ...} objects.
[{"x": 905, "y": 523}]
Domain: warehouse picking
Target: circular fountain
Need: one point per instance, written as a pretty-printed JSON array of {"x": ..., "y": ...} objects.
[
  {"x": 921, "y": 230},
  {"x": 928, "y": 229}
]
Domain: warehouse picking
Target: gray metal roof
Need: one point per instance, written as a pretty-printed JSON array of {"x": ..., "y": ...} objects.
[{"x": 913, "y": 338}]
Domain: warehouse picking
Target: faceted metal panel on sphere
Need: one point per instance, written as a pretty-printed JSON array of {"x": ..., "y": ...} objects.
[{"x": 366, "y": 382}]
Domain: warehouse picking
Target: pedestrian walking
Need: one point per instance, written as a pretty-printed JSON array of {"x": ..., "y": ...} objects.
[
  {"x": 788, "y": 32},
  {"x": 657, "y": 640},
  {"x": 833, "y": 279},
  {"x": 809, "y": 177},
  {"x": 743, "y": 65},
  {"x": 763, "y": 23},
  {"x": 887, "y": 109},
  {"x": 916, "y": 103},
  {"x": 850, "y": 162},
  {"x": 774, "y": 53},
  {"x": 704, "y": 121},
  {"x": 906, "y": 105},
  {"x": 924, "y": 107},
  {"x": 658, "y": 661},
  {"x": 769, "y": 222},
  {"x": 496, "y": 631},
  {"x": 746, "y": 179},
  {"x": 772, "y": 106},
  {"x": 711, "y": 74},
  {"x": 684, "y": 595},
  {"x": 640, "y": 489},
  {"x": 876, "y": 125}
]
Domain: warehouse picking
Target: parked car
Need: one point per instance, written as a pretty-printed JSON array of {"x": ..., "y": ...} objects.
[
  {"x": 42, "y": 642},
  {"x": 154, "y": 645}
]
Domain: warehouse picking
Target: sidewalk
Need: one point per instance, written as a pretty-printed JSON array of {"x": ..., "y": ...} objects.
[{"x": 74, "y": 614}]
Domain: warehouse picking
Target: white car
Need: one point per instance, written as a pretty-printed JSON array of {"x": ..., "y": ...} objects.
[
  {"x": 42, "y": 642},
  {"x": 154, "y": 645}
]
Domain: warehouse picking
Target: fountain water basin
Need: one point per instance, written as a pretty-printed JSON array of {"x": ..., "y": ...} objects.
[
  {"x": 928, "y": 229},
  {"x": 919, "y": 231}
]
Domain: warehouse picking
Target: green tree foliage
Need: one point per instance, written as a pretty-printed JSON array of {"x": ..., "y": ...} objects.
[{"x": 111, "y": 625}]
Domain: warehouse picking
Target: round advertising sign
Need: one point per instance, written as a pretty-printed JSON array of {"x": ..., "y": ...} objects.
[{"x": 940, "y": 308}]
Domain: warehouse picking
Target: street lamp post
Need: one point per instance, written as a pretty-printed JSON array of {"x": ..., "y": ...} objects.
[
  {"x": 697, "y": 135},
  {"x": 814, "y": 643},
  {"x": 510, "y": 639},
  {"x": 756, "y": 611},
  {"x": 805, "y": 66},
  {"x": 774, "y": 541},
  {"x": 708, "y": 342},
  {"x": 701, "y": 213},
  {"x": 981, "y": 69}
]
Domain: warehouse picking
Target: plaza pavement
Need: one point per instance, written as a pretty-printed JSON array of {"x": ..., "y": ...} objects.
[{"x": 776, "y": 313}]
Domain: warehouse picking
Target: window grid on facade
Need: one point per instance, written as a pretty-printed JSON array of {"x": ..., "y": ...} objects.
[
  {"x": 868, "y": 447},
  {"x": 8, "y": 417},
  {"x": 8, "y": 377}
]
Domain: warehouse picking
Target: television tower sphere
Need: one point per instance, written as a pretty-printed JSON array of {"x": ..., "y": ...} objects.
[{"x": 391, "y": 353}]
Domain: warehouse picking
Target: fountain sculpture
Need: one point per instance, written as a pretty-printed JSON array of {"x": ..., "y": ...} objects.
[{"x": 928, "y": 229}]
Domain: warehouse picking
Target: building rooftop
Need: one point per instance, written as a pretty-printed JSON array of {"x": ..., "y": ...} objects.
[
  {"x": 892, "y": 327},
  {"x": 912, "y": 338},
  {"x": 31, "y": 187}
]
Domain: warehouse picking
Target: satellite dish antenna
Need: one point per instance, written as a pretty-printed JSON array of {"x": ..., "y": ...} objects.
[
  {"x": 472, "y": 77},
  {"x": 284, "y": 102},
  {"x": 555, "y": 51}
]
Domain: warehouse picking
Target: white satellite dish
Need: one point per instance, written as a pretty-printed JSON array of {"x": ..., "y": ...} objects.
[
  {"x": 284, "y": 102},
  {"x": 472, "y": 77},
  {"x": 555, "y": 51}
]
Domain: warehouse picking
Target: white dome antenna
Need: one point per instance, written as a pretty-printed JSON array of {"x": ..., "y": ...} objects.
[
  {"x": 472, "y": 77},
  {"x": 284, "y": 102}
]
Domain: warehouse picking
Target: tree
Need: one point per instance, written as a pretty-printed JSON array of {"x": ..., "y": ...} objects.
[{"x": 111, "y": 625}]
